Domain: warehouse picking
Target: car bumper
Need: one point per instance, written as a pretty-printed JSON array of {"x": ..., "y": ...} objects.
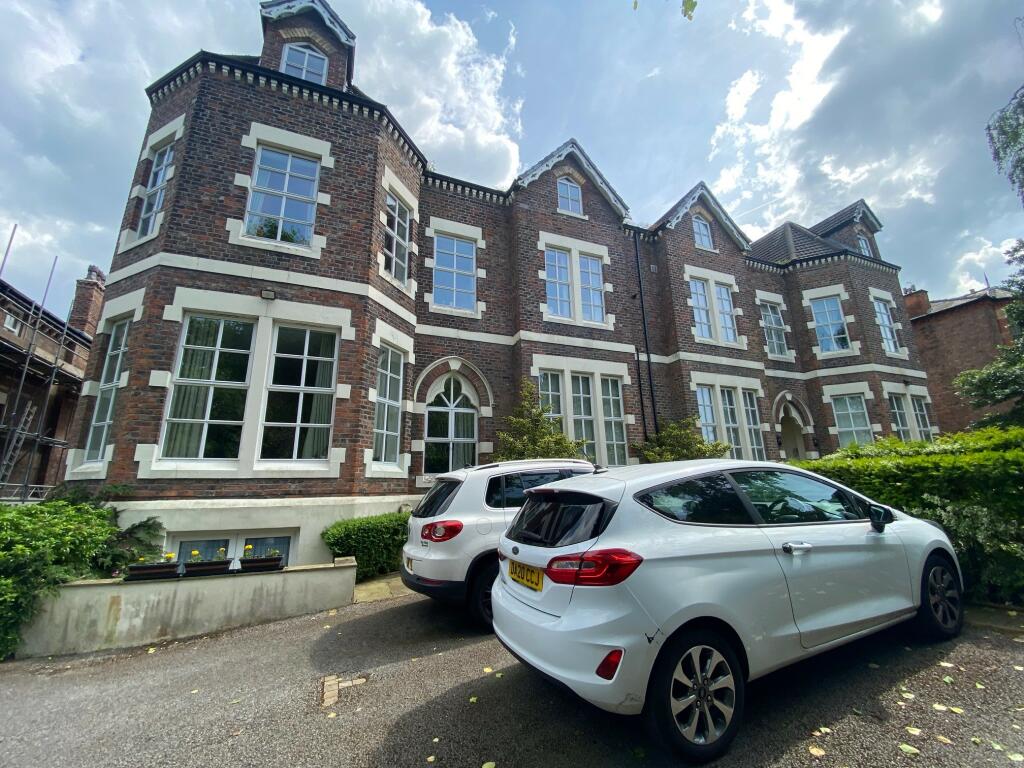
[
  {"x": 440, "y": 590},
  {"x": 568, "y": 649}
]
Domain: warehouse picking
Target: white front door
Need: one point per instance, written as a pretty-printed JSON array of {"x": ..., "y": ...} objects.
[{"x": 843, "y": 576}]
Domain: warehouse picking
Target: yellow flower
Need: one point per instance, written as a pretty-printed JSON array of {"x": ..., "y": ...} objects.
[
  {"x": 142, "y": 559},
  {"x": 169, "y": 555},
  {"x": 248, "y": 547},
  {"x": 195, "y": 552}
]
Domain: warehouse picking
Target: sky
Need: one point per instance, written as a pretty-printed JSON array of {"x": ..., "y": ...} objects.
[{"x": 788, "y": 109}]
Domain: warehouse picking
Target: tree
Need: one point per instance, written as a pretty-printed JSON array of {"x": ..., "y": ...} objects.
[
  {"x": 1006, "y": 139},
  {"x": 679, "y": 441},
  {"x": 686, "y": 7},
  {"x": 531, "y": 434},
  {"x": 1002, "y": 380}
]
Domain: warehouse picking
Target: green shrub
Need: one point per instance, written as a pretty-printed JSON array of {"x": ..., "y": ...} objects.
[
  {"x": 972, "y": 483},
  {"x": 41, "y": 546},
  {"x": 679, "y": 441},
  {"x": 376, "y": 542}
]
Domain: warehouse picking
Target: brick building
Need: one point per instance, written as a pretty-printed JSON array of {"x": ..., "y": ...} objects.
[
  {"x": 309, "y": 322},
  {"x": 956, "y": 335},
  {"x": 43, "y": 361}
]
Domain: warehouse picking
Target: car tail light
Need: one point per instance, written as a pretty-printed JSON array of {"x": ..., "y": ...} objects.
[
  {"x": 441, "y": 531},
  {"x": 609, "y": 664},
  {"x": 600, "y": 568}
]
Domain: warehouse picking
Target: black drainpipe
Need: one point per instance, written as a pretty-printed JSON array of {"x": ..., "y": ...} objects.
[{"x": 643, "y": 322}]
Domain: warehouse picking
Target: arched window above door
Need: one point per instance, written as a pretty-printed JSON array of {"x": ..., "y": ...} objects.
[{"x": 451, "y": 433}]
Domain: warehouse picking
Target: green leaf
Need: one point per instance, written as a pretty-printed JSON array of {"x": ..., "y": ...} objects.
[
  {"x": 947, "y": 680},
  {"x": 909, "y": 750}
]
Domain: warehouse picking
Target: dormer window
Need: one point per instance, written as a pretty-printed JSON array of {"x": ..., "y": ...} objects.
[
  {"x": 305, "y": 61},
  {"x": 864, "y": 245},
  {"x": 570, "y": 198},
  {"x": 702, "y": 234}
]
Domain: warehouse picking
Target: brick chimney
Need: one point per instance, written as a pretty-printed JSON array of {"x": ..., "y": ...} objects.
[
  {"x": 916, "y": 301},
  {"x": 88, "y": 302}
]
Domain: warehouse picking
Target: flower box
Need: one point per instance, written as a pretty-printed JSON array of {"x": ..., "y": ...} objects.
[
  {"x": 162, "y": 570},
  {"x": 207, "y": 568},
  {"x": 261, "y": 564}
]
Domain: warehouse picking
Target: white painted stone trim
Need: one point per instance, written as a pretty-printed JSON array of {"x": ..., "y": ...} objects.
[
  {"x": 823, "y": 292},
  {"x": 169, "y": 132},
  {"x": 409, "y": 287},
  {"x": 381, "y": 470},
  {"x": 160, "y": 379},
  {"x": 271, "y": 136},
  {"x": 713, "y": 277},
  {"x": 725, "y": 380},
  {"x": 236, "y": 227},
  {"x": 394, "y": 185},
  {"x": 576, "y": 249},
  {"x": 697, "y": 357},
  {"x": 573, "y": 214},
  {"x": 580, "y": 365},
  {"x": 80, "y": 469},
  {"x": 846, "y": 369},
  {"x": 151, "y": 466},
  {"x": 117, "y": 308},
  {"x": 395, "y": 338},
  {"x": 236, "y": 269},
  {"x": 129, "y": 239},
  {"x": 828, "y": 391},
  {"x": 878, "y": 293},
  {"x": 456, "y": 229}
]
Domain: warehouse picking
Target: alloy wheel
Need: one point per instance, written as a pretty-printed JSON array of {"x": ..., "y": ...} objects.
[
  {"x": 702, "y": 696},
  {"x": 944, "y": 597}
]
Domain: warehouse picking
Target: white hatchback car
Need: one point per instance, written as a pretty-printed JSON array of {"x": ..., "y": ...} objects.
[
  {"x": 665, "y": 588},
  {"x": 451, "y": 551}
]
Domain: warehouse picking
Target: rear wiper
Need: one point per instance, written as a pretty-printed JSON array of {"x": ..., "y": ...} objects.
[{"x": 531, "y": 536}]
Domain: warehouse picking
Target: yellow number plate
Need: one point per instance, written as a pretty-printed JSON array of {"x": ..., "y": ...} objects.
[{"x": 526, "y": 575}]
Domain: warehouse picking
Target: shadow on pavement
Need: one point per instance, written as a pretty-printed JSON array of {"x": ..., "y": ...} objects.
[
  {"x": 522, "y": 720},
  {"x": 407, "y": 627}
]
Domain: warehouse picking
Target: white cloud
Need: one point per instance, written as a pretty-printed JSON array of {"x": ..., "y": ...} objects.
[
  {"x": 973, "y": 267},
  {"x": 654, "y": 72},
  {"x": 740, "y": 93}
]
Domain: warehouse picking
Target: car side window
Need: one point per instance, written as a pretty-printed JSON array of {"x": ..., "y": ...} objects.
[
  {"x": 533, "y": 479},
  {"x": 494, "y": 497},
  {"x": 788, "y": 497},
  {"x": 514, "y": 496},
  {"x": 710, "y": 499}
]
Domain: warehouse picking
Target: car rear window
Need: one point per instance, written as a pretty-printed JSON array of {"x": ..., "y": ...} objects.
[
  {"x": 436, "y": 499},
  {"x": 560, "y": 519}
]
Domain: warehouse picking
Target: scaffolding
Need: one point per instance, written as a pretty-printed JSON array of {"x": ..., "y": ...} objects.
[{"x": 53, "y": 356}]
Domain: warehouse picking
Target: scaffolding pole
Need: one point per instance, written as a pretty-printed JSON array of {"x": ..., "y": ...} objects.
[{"x": 7, "y": 251}]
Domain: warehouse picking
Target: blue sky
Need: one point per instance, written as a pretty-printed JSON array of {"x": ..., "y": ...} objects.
[{"x": 789, "y": 109}]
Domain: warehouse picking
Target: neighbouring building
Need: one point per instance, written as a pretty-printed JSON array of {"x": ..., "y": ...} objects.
[
  {"x": 43, "y": 361},
  {"x": 956, "y": 335},
  {"x": 304, "y": 321}
]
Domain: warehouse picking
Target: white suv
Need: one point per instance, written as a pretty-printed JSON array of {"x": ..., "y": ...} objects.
[
  {"x": 665, "y": 588},
  {"x": 451, "y": 552}
]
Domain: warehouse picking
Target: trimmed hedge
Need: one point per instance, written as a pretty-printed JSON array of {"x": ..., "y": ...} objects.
[
  {"x": 376, "y": 542},
  {"x": 977, "y": 496}
]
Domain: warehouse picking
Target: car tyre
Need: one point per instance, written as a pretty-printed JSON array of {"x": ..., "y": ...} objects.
[
  {"x": 696, "y": 695},
  {"x": 940, "y": 616},
  {"x": 479, "y": 596}
]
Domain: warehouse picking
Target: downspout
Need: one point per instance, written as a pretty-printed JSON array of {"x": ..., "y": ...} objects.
[{"x": 643, "y": 322}]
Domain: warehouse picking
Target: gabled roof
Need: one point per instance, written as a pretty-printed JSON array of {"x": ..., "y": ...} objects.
[
  {"x": 572, "y": 147},
  {"x": 790, "y": 241},
  {"x": 702, "y": 192},
  {"x": 853, "y": 212},
  {"x": 282, "y": 9}
]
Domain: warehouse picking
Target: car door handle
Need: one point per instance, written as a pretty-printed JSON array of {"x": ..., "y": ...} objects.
[{"x": 795, "y": 547}]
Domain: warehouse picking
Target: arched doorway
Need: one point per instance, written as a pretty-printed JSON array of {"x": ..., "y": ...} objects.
[
  {"x": 450, "y": 442},
  {"x": 792, "y": 437}
]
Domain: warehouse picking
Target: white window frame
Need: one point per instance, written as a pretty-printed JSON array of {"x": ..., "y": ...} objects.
[
  {"x": 922, "y": 421},
  {"x": 613, "y": 411},
  {"x": 552, "y": 397},
  {"x": 910, "y": 396},
  {"x": 702, "y": 237},
  {"x": 576, "y": 250},
  {"x": 565, "y": 368},
  {"x": 457, "y": 231},
  {"x": 775, "y": 328},
  {"x": 730, "y": 421},
  {"x": 110, "y": 382},
  {"x": 721, "y": 315},
  {"x": 396, "y": 207},
  {"x": 861, "y": 389},
  {"x": 211, "y": 383},
  {"x": 162, "y": 138},
  {"x": 306, "y": 49},
  {"x": 303, "y": 390},
  {"x": 890, "y": 347},
  {"x": 580, "y": 419},
  {"x": 554, "y": 280},
  {"x": 382, "y": 400},
  {"x": 900, "y": 420},
  {"x": 450, "y": 411},
  {"x": 864, "y": 245},
  {"x": 13, "y": 323},
  {"x": 591, "y": 289},
  {"x": 387, "y": 335},
  {"x": 395, "y": 189},
  {"x": 565, "y": 187},
  {"x": 156, "y": 189},
  {"x": 284, "y": 194},
  {"x": 855, "y": 432},
  {"x": 236, "y": 540},
  {"x": 837, "y": 291}
]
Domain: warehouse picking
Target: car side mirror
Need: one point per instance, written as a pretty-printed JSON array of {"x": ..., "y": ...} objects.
[{"x": 880, "y": 517}]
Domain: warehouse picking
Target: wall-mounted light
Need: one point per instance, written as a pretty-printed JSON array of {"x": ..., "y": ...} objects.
[{"x": 268, "y": 293}]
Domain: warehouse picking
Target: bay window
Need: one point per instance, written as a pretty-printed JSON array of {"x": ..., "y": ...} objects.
[
  {"x": 110, "y": 379},
  {"x": 774, "y": 329},
  {"x": 851, "y": 417},
  {"x": 614, "y": 421},
  {"x": 924, "y": 425},
  {"x": 283, "y": 197},
  {"x": 550, "y": 389},
  {"x": 454, "y": 273},
  {"x": 727, "y": 411},
  {"x": 396, "y": 239},
  {"x": 583, "y": 415},
  {"x": 156, "y": 186},
  {"x": 830, "y": 324}
]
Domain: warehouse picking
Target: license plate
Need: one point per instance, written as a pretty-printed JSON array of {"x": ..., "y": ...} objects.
[{"x": 527, "y": 575}]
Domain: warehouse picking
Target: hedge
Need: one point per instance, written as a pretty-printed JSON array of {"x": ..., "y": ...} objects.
[
  {"x": 376, "y": 542},
  {"x": 988, "y": 439},
  {"x": 977, "y": 495}
]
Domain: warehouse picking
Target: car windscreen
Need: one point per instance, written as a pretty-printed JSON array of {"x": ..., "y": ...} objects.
[
  {"x": 436, "y": 499},
  {"x": 558, "y": 519}
]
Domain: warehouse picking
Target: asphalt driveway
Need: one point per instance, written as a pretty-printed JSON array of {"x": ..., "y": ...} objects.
[{"x": 438, "y": 692}]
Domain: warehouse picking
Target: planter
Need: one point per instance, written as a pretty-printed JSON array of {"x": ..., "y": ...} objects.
[
  {"x": 208, "y": 568},
  {"x": 261, "y": 564},
  {"x": 140, "y": 571}
]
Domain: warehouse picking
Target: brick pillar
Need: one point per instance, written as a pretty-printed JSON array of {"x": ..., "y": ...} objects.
[
  {"x": 88, "y": 302},
  {"x": 916, "y": 302}
]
